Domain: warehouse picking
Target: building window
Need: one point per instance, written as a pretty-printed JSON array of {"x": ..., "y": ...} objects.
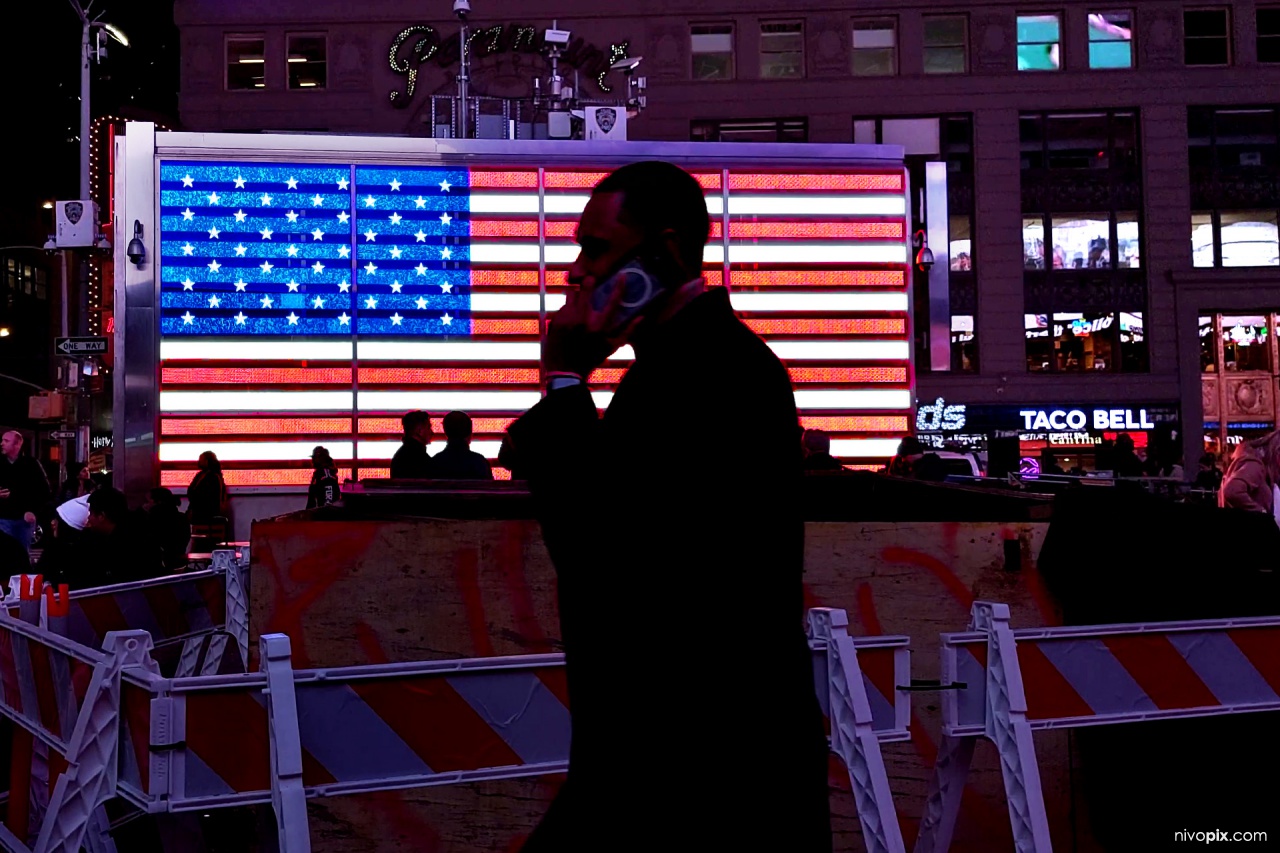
[
  {"x": 1269, "y": 35},
  {"x": 307, "y": 61},
  {"x": 246, "y": 62},
  {"x": 1239, "y": 238},
  {"x": 781, "y": 50},
  {"x": 1111, "y": 40},
  {"x": 946, "y": 44},
  {"x": 875, "y": 48},
  {"x": 1207, "y": 37},
  {"x": 712, "y": 49},
  {"x": 1085, "y": 342},
  {"x": 757, "y": 130},
  {"x": 1039, "y": 42},
  {"x": 1234, "y": 197}
]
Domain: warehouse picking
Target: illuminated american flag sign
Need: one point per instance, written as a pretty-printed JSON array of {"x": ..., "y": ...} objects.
[{"x": 306, "y": 303}]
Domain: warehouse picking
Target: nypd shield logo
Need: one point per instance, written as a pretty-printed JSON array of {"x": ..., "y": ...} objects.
[
  {"x": 74, "y": 210},
  {"x": 606, "y": 118}
]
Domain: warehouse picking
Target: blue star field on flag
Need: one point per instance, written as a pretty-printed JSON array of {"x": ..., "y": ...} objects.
[{"x": 313, "y": 250}]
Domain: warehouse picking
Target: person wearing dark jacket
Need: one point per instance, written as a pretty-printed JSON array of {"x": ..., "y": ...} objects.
[
  {"x": 458, "y": 461},
  {"x": 647, "y": 530},
  {"x": 79, "y": 483},
  {"x": 817, "y": 452},
  {"x": 412, "y": 462},
  {"x": 24, "y": 490},
  {"x": 207, "y": 501},
  {"x": 167, "y": 526},
  {"x": 113, "y": 546},
  {"x": 324, "y": 479}
]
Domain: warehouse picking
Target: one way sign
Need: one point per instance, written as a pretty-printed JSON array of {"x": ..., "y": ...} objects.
[{"x": 80, "y": 346}]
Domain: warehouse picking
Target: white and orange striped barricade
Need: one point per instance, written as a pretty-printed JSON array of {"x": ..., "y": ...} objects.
[
  {"x": 1012, "y": 683},
  {"x": 858, "y": 681},
  {"x": 65, "y": 697}
]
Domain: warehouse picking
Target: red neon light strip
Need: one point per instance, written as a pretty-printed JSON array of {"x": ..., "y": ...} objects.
[
  {"x": 506, "y": 278},
  {"x": 831, "y": 326},
  {"x": 505, "y": 228},
  {"x": 255, "y": 376},
  {"x": 816, "y": 230},
  {"x": 255, "y": 426},
  {"x": 856, "y": 423},
  {"x": 491, "y": 326},
  {"x": 448, "y": 376},
  {"x": 780, "y": 182},
  {"x": 848, "y": 374},
  {"x": 486, "y": 179},
  {"x": 588, "y": 180},
  {"x": 251, "y": 477},
  {"x": 816, "y": 278},
  {"x": 391, "y": 426}
]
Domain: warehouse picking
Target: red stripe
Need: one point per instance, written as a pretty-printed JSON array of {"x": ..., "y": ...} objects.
[
  {"x": 446, "y": 376},
  {"x": 775, "y": 230},
  {"x": 389, "y": 426},
  {"x": 436, "y": 723},
  {"x": 856, "y": 423},
  {"x": 102, "y": 613},
  {"x": 511, "y": 562},
  {"x": 500, "y": 179},
  {"x": 9, "y": 673},
  {"x": 167, "y": 610},
  {"x": 255, "y": 426},
  {"x": 42, "y": 674},
  {"x": 1161, "y": 671},
  {"x": 255, "y": 376},
  {"x": 467, "y": 573},
  {"x": 782, "y": 182},
  {"x": 497, "y": 326},
  {"x": 848, "y": 374},
  {"x": 17, "y": 808},
  {"x": 751, "y": 278},
  {"x": 1049, "y": 694},
  {"x": 137, "y": 713},
  {"x": 877, "y": 666},
  {"x": 555, "y": 680},
  {"x": 588, "y": 180},
  {"x": 504, "y": 228},
  {"x": 1262, "y": 647},
  {"x": 826, "y": 326},
  {"x": 214, "y": 592}
]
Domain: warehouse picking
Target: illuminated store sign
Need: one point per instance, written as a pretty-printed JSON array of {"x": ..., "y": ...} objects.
[
  {"x": 1079, "y": 419},
  {"x": 940, "y": 417}
]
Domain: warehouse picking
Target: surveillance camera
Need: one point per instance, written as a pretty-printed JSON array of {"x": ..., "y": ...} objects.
[
  {"x": 462, "y": 8},
  {"x": 135, "y": 250},
  {"x": 559, "y": 38},
  {"x": 628, "y": 64},
  {"x": 51, "y": 245},
  {"x": 924, "y": 259},
  {"x": 102, "y": 243}
]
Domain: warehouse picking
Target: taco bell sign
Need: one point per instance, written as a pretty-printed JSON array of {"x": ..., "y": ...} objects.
[{"x": 1101, "y": 420}]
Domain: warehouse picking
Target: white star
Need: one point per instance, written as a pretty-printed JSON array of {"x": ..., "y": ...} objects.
[
  {"x": 240, "y": 285},
  {"x": 188, "y": 284},
  {"x": 395, "y": 218},
  {"x": 239, "y": 182},
  {"x": 266, "y": 266},
  {"x": 446, "y": 319},
  {"x": 240, "y": 250},
  {"x": 317, "y": 234},
  {"x": 422, "y": 302},
  {"x": 370, "y": 268},
  {"x": 266, "y": 233},
  {"x": 215, "y": 302},
  {"x": 187, "y": 249},
  {"x": 371, "y": 303},
  {"x": 188, "y": 181},
  {"x": 396, "y": 318},
  {"x": 421, "y": 268},
  {"x": 343, "y": 217},
  {"x": 446, "y": 287},
  {"x": 444, "y": 186},
  {"x": 187, "y": 214},
  {"x": 240, "y": 318},
  {"x": 446, "y": 254},
  {"x": 240, "y": 215},
  {"x": 214, "y": 232},
  {"x": 317, "y": 302},
  {"x": 370, "y": 201},
  {"x": 370, "y": 236},
  {"x": 293, "y": 251},
  {"x": 343, "y": 183},
  {"x": 291, "y": 216},
  {"x": 445, "y": 219},
  {"x": 317, "y": 268},
  {"x": 395, "y": 185},
  {"x": 395, "y": 252},
  {"x": 214, "y": 266},
  {"x": 213, "y": 198},
  {"x": 292, "y": 285},
  {"x": 292, "y": 183},
  {"x": 420, "y": 202},
  {"x": 292, "y": 318},
  {"x": 343, "y": 319},
  {"x": 188, "y": 319},
  {"x": 266, "y": 302},
  {"x": 395, "y": 286},
  {"x": 266, "y": 200},
  {"x": 421, "y": 236},
  {"x": 317, "y": 200},
  {"x": 344, "y": 251},
  {"x": 344, "y": 286}
]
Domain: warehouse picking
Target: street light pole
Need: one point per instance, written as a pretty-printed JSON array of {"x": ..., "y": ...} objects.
[{"x": 86, "y": 33}]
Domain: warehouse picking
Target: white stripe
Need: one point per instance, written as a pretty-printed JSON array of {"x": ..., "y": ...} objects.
[
  {"x": 818, "y": 302},
  {"x": 466, "y": 350},
  {"x": 574, "y": 204},
  {"x": 251, "y": 451},
  {"x": 818, "y": 253},
  {"x": 788, "y": 204},
  {"x": 865, "y": 448},
  {"x": 514, "y": 303},
  {"x": 466, "y": 401},
  {"x": 172, "y": 349},
  {"x": 255, "y": 401},
  {"x": 371, "y": 451},
  {"x": 557, "y": 254},
  {"x": 505, "y": 202},
  {"x": 448, "y": 351},
  {"x": 838, "y": 399}
]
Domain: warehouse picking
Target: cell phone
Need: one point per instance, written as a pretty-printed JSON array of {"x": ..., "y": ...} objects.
[{"x": 643, "y": 279}]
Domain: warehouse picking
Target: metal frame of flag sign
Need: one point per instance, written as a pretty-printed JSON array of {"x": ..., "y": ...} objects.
[{"x": 310, "y": 290}]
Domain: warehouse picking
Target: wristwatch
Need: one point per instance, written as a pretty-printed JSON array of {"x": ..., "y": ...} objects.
[{"x": 556, "y": 381}]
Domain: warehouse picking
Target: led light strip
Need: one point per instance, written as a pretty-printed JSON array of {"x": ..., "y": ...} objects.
[
  {"x": 510, "y": 303},
  {"x": 252, "y": 451},
  {"x": 739, "y": 205},
  {"x": 180, "y": 349},
  {"x": 869, "y": 399},
  {"x": 864, "y": 448},
  {"x": 255, "y": 401},
  {"x": 465, "y": 401}
]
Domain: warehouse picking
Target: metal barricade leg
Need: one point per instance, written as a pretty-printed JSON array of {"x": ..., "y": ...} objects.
[
  {"x": 942, "y": 807},
  {"x": 287, "y": 794}
]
